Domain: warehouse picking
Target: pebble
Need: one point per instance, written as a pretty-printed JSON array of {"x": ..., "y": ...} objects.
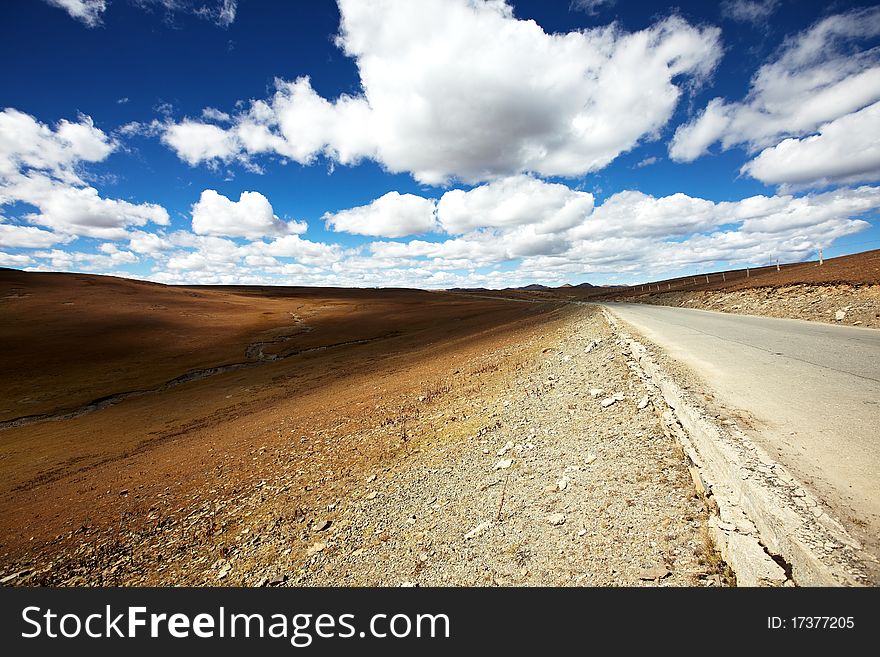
[
  {"x": 655, "y": 573},
  {"x": 503, "y": 464},
  {"x": 315, "y": 548},
  {"x": 476, "y": 531},
  {"x": 506, "y": 448},
  {"x": 556, "y": 519}
]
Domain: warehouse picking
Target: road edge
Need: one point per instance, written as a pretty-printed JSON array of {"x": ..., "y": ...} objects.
[{"x": 767, "y": 527}]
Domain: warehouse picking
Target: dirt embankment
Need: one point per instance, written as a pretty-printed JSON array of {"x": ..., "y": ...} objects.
[
  {"x": 473, "y": 448},
  {"x": 840, "y": 290},
  {"x": 853, "y": 305}
]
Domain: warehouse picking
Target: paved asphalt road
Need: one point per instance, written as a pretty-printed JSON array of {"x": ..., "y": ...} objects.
[{"x": 811, "y": 391}]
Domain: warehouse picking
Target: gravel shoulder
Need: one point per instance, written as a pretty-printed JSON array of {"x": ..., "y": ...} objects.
[{"x": 535, "y": 483}]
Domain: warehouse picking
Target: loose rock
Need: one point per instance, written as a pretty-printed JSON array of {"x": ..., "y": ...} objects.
[
  {"x": 556, "y": 519},
  {"x": 655, "y": 573},
  {"x": 315, "y": 548},
  {"x": 506, "y": 448},
  {"x": 476, "y": 531}
]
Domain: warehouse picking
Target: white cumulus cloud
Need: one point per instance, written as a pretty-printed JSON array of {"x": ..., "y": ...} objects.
[
  {"x": 28, "y": 237},
  {"x": 40, "y": 166},
  {"x": 817, "y": 76},
  {"x": 845, "y": 150},
  {"x": 514, "y": 201},
  {"x": 251, "y": 216},
  {"x": 15, "y": 259},
  {"x": 391, "y": 215},
  {"x": 195, "y": 142},
  {"x": 633, "y": 234},
  {"x": 140, "y": 241},
  {"x": 463, "y": 89},
  {"x": 80, "y": 211},
  {"x": 301, "y": 250},
  {"x": 25, "y": 143}
]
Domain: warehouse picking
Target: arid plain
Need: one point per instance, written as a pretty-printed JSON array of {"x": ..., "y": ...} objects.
[{"x": 169, "y": 435}]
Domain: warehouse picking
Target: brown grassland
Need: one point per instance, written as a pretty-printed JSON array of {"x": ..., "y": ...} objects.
[{"x": 313, "y": 361}]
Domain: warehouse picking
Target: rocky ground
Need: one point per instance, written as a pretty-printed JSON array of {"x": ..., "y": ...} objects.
[
  {"x": 541, "y": 462},
  {"x": 566, "y": 482},
  {"x": 853, "y": 305}
]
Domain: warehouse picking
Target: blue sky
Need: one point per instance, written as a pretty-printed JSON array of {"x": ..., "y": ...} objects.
[{"x": 437, "y": 143}]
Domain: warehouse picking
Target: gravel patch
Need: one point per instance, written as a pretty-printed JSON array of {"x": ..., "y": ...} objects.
[{"x": 555, "y": 488}]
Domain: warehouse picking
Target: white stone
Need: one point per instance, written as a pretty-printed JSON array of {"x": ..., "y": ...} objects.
[
  {"x": 315, "y": 548},
  {"x": 476, "y": 531},
  {"x": 556, "y": 519}
]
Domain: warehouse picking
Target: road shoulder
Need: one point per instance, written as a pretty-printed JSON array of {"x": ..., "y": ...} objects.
[{"x": 765, "y": 514}]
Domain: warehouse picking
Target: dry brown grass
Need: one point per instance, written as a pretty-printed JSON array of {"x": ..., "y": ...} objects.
[{"x": 210, "y": 437}]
